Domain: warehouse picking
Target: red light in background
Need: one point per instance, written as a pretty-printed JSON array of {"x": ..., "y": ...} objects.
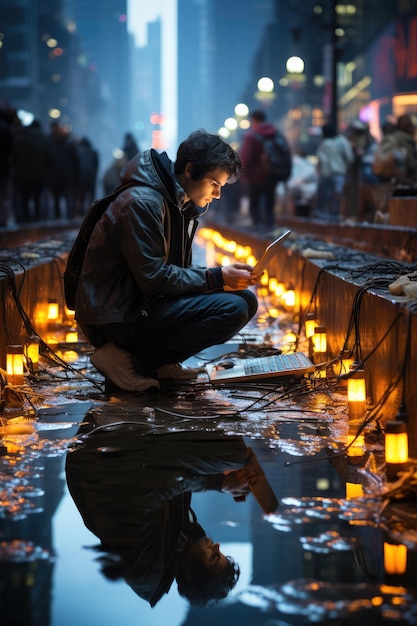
[{"x": 158, "y": 140}]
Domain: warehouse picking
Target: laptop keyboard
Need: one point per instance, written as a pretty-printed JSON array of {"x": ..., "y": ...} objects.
[{"x": 277, "y": 363}]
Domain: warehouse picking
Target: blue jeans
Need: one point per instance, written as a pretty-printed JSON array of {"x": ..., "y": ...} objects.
[{"x": 177, "y": 328}]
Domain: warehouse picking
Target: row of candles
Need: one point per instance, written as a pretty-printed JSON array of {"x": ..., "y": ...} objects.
[
  {"x": 25, "y": 357},
  {"x": 21, "y": 358},
  {"x": 220, "y": 250}
]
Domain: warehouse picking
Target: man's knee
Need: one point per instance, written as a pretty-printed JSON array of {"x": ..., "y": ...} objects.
[{"x": 242, "y": 305}]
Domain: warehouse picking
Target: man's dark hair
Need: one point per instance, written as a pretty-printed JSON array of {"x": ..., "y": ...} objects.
[
  {"x": 258, "y": 115},
  {"x": 200, "y": 585},
  {"x": 207, "y": 152}
]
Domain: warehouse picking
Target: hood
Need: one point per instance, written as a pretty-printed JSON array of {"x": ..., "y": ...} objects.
[
  {"x": 155, "y": 170},
  {"x": 155, "y": 580},
  {"x": 266, "y": 129}
]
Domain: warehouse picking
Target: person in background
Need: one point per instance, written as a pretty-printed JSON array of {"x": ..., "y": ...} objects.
[
  {"x": 395, "y": 163},
  {"x": 373, "y": 188},
  {"x": 86, "y": 182},
  {"x": 64, "y": 170},
  {"x": 140, "y": 301},
  {"x": 401, "y": 143},
  {"x": 130, "y": 147},
  {"x": 261, "y": 185},
  {"x": 7, "y": 123},
  {"x": 302, "y": 186},
  {"x": 334, "y": 155},
  {"x": 31, "y": 163},
  {"x": 111, "y": 177},
  {"x": 360, "y": 139}
]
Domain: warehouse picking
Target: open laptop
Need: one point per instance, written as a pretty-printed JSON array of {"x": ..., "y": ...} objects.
[
  {"x": 290, "y": 365},
  {"x": 268, "y": 253}
]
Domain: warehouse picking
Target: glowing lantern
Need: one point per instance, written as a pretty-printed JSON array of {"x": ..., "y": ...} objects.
[
  {"x": 396, "y": 447},
  {"x": 395, "y": 558},
  {"x": 32, "y": 353},
  {"x": 310, "y": 324},
  {"x": 353, "y": 490},
  {"x": 279, "y": 290},
  {"x": 356, "y": 394},
  {"x": 53, "y": 311},
  {"x": 14, "y": 364},
  {"x": 320, "y": 340},
  {"x": 355, "y": 444},
  {"x": 289, "y": 297}
]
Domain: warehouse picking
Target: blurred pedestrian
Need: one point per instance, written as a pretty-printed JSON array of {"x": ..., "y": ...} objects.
[
  {"x": 395, "y": 163},
  {"x": 64, "y": 171},
  {"x": 31, "y": 163},
  {"x": 130, "y": 147},
  {"x": 260, "y": 180},
  {"x": 334, "y": 155},
  {"x": 7, "y": 119},
  {"x": 360, "y": 139},
  {"x": 88, "y": 163},
  {"x": 373, "y": 189},
  {"x": 111, "y": 177},
  {"x": 302, "y": 185},
  {"x": 396, "y": 157}
]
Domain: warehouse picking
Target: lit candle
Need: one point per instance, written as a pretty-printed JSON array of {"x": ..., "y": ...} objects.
[
  {"x": 273, "y": 284},
  {"x": 279, "y": 290},
  {"x": 53, "y": 310},
  {"x": 14, "y": 364},
  {"x": 353, "y": 490},
  {"x": 396, "y": 447},
  {"x": 289, "y": 297},
  {"x": 355, "y": 445},
  {"x": 265, "y": 280},
  {"x": 41, "y": 315},
  {"x": 356, "y": 394},
  {"x": 310, "y": 324},
  {"x": 395, "y": 558},
  {"x": 32, "y": 354},
  {"x": 320, "y": 340},
  {"x": 71, "y": 337}
]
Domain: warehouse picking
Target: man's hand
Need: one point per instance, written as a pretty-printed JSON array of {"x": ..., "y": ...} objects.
[
  {"x": 237, "y": 482},
  {"x": 238, "y": 276}
]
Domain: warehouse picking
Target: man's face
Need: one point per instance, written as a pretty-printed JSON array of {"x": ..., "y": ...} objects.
[
  {"x": 203, "y": 191},
  {"x": 209, "y": 555}
]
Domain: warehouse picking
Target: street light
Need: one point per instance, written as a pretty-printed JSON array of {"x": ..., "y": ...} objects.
[
  {"x": 241, "y": 110},
  {"x": 231, "y": 124},
  {"x": 295, "y": 65},
  {"x": 265, "y": 93}
]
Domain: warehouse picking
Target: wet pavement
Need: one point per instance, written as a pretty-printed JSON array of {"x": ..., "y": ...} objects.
[{"x": 76, "y": 460}]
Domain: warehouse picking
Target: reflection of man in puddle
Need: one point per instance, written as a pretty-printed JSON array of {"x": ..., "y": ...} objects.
[{"x": 133, "y": 489}]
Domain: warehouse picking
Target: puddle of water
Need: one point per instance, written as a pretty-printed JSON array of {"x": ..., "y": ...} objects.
[{"x": 320, "y": 556}]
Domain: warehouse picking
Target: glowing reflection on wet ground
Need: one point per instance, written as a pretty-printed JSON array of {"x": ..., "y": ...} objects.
[{"x": 322, "y": 556}]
